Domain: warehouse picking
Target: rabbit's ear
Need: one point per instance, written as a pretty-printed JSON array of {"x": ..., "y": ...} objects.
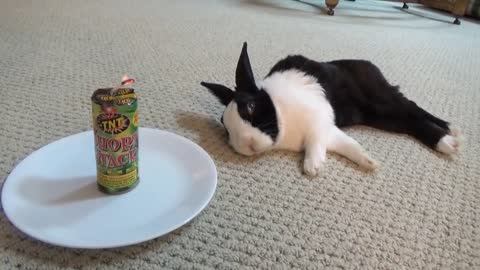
[
  {"x": 223, "y": 93},
  {"x": 244, "y": 76}
]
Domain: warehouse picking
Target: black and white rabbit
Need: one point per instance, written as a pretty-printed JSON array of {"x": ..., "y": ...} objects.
[{"x": 302, "y": 104}]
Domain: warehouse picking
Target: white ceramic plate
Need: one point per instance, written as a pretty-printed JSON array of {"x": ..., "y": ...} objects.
[{"x": 52, "y": 195}]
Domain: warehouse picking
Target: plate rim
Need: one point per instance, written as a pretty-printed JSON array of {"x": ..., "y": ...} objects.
[{"x": 120, "y": 244}]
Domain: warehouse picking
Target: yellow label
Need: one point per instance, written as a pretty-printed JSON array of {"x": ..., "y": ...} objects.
[
  {"x": 117, "y": 181},
  {"x": 135, "y": 119}
]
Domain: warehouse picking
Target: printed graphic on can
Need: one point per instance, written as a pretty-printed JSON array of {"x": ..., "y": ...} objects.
[{"x": 115, "y": 126}]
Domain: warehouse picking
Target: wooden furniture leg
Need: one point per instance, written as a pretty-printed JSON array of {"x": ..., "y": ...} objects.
[
  {"x": 331, "y": 4},
  {"x": 456, "y": 7}
]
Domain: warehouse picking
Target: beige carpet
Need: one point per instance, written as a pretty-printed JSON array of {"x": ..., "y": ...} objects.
[{"x": 420, "y": 211}]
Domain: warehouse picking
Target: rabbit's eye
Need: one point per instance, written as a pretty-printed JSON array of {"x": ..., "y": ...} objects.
[{"x": 250, "y": 107}]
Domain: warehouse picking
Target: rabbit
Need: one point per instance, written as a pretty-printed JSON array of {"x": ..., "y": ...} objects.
[{"x": 301, "y": 105}]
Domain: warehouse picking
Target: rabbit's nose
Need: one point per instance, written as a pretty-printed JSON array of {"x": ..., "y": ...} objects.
[
  {"x": 247, "y": 138},
  {"x": 249, "y": 143},
  {"x": 252, "y": 147}
]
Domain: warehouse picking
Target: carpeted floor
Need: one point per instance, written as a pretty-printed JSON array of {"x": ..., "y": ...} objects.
[{"x": 419, "y": 211}]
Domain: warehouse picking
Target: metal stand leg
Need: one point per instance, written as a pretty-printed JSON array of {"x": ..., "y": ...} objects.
[{"x": 331, "y": 4}]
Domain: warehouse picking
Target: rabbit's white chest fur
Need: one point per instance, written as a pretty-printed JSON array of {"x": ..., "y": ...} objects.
[{"x": 302, "y": 109}]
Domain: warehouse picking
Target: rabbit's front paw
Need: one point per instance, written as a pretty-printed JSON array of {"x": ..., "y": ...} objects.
[
  {"x": 312, "y": 166},
  {"x": 368, "y": 163}
]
